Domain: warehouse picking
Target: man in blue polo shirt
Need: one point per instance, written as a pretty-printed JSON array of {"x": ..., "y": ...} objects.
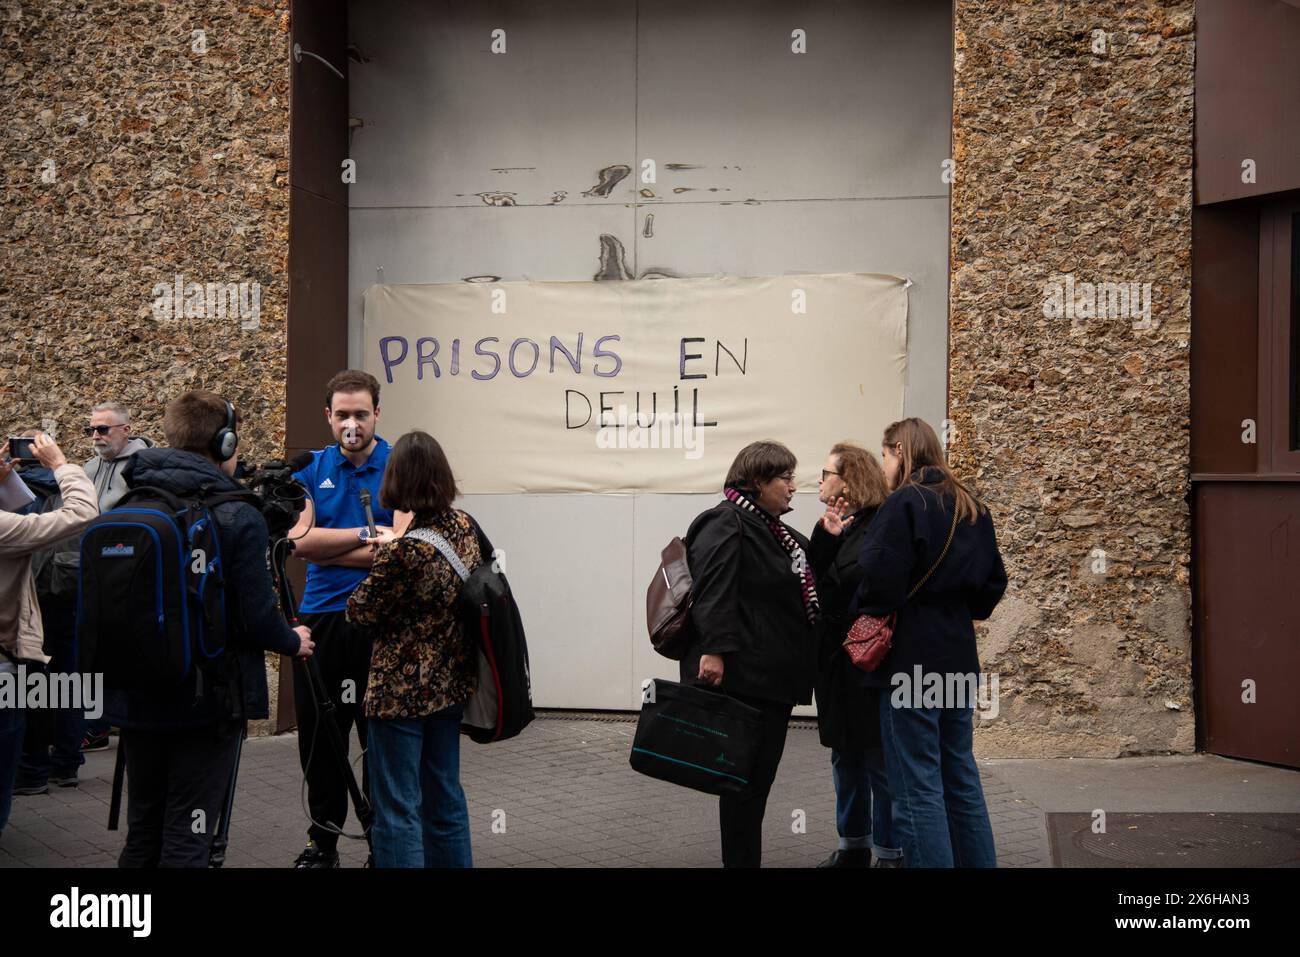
[{"x": 332, "y": 536}]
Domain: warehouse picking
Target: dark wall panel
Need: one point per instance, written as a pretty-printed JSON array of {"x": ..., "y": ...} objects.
[
  {"x": 1225, "y": 335},
  {"x": 318, "y": 219},
  {"x": 1247, "y": 97},
  {"x": 1248, "y": 621}
]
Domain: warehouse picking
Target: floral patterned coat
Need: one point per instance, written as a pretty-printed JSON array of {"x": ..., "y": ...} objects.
[{"x": 419, "y": 660}]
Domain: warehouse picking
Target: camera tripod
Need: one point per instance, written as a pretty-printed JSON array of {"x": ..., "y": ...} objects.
[{"x": 326, "y": 711}]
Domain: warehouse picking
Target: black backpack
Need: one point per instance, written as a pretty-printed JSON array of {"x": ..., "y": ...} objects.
[
  {"x": 503, "y": 704},
  {"x": 151, "y": 594}
]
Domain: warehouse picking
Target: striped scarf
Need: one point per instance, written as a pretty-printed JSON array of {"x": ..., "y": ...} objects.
[{"x": 811, "y": 606}]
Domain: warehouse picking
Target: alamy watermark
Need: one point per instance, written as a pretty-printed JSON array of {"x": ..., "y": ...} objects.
[
  {"x": 1098, "y": 300},
  {"x": 934, "y": 689},
  {"x": 212, "y": 300},
  {"x": 650, "y": 430},
  {"x": 34, "y": 690}
]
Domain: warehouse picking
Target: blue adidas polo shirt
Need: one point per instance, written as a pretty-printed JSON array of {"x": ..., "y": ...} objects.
[{"x": 334, "y": 485}]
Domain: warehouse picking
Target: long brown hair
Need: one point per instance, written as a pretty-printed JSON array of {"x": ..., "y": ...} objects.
[
  {"x": 864, "y": 479},
  {"x": 919, "y": 448}
]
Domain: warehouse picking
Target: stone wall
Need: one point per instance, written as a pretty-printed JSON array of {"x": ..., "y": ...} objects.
[
  {"x": 136, "y": 151},
  {"x": 1072, "y": 138}
]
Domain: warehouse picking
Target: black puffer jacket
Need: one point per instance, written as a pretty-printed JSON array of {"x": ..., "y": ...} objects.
[
  {"x": 748, "y": 607},
  {"x": 255, "y": 623}
]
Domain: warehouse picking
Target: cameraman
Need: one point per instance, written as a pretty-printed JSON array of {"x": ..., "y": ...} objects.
[
  {"x": 332, "y": 536},
  {"x": 20, "y": 615},
  {"x": 180, "y": 753}
]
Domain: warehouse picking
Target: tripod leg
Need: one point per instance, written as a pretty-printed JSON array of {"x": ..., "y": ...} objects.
[
  {"x": 326, "y": 716},
  {"x": 221, "y": 839}
]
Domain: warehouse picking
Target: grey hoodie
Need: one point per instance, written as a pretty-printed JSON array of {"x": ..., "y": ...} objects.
[{"x": 110, "y": 486}]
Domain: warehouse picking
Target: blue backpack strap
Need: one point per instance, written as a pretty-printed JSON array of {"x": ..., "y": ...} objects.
[{"x": 430, "y": 537}]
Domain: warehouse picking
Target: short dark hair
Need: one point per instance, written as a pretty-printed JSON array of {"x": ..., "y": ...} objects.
[
  {"x": 759, "y": 462},
  {"x": 192, "y": 420},
  {"x": 418, "y": 476},
  {"x": 352, "y": 380}
]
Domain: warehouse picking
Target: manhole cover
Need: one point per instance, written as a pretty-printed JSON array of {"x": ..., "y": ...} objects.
[{"x": 1176, "y": 840}]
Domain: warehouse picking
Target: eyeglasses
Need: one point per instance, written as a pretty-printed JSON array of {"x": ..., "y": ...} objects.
[
  {"x": 101, "y": 429},
  {"x": 826, "y": 472}
]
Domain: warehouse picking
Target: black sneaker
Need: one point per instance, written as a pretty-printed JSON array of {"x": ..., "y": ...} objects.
[
  {"x": 849, "y": 857},
  {"x": 887, "y": 862},
  {"x": 94, "y": 742},
  {"x": 31, "y": 787},
  {"x": 313, "y": 857},
  {"x": 68, "y": 780}
]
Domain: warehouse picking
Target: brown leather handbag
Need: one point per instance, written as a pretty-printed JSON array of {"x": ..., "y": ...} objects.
[
  {"x": 871, "y": 636},
  {"x": 669, "y": 598},
  {"x": 668, "y": 603}
]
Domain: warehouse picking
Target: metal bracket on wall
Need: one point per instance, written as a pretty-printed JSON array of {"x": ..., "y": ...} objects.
[{"x": 299, "y": 53}]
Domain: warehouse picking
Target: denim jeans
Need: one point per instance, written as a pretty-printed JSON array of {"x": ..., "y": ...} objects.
[
  {"x": 11, "y": 746},
  {"x": 421, "y": 819},
  {"x": 940, "y": 818},
  {"x": 863, "y": 815}
]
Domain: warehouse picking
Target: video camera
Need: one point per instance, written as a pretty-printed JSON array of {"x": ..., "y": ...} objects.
[{"x": 281, "y": 498}]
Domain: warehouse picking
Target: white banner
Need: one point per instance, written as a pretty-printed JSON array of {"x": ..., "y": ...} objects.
[{"x": 645, "y": 385}]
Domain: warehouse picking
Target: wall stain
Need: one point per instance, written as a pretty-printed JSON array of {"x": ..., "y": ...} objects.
[
  {"x": 482, "y": 279},
  {"x": 608, "y": 178},
  {"x": 613, "y": 261},
  {"x": 558, "y": 196},
  {"x": 648, "y": 193},
  {"x": 649, "y": 230},
  {"x": 660, "y": 272},
  {"x": 681, "y": 166},
  {"x": 512, "y": 169},
  {"x": 497, "y": 199}
]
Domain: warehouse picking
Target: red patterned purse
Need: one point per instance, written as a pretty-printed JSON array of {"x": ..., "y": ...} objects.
[{"x": 871, "y": 636}]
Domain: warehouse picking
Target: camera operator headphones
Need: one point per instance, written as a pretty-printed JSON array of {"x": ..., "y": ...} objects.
[{"x": 224, "y": 443}]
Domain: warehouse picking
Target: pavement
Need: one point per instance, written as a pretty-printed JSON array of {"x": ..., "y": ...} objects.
[{"x": 563, "y": 795}]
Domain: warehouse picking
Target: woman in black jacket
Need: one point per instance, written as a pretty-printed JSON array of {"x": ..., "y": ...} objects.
[
  {"x": 931, "y": 523},
  {"x": 848, "y": 714},
  {"x": 754, "y": 611}
]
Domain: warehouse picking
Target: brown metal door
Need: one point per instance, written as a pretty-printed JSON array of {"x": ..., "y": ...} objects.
[{"x": 1246, "y": 511}]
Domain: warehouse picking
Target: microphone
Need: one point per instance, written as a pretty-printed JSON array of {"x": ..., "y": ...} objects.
[
  {"x": 370, "y": 516},
  {"x": 301, "y": 461}
]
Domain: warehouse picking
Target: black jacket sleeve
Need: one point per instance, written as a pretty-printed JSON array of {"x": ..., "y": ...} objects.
[
  {"x": 714, "y": 556},
  {"x": 248, "y": 586},
  {"x": 887, "y": 558},
  {"x": 985, "y": 598},
  {"x": 823, "y": 547}
]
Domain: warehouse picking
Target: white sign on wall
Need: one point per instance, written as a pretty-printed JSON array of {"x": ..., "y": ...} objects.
[{"x": 648, "y": 385}]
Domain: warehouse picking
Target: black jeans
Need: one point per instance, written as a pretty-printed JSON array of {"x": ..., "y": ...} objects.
[
  {"x": 171, "y": 776},
  {"x": 343, "y": 656},
  {"x": 53, "y": 738},
  {"x": 741, "y": 815}
]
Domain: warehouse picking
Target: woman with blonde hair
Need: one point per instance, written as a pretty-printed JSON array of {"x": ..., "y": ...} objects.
[
  {"x": 852, "y": 488},
  {"x": 931, "y": 556}
]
